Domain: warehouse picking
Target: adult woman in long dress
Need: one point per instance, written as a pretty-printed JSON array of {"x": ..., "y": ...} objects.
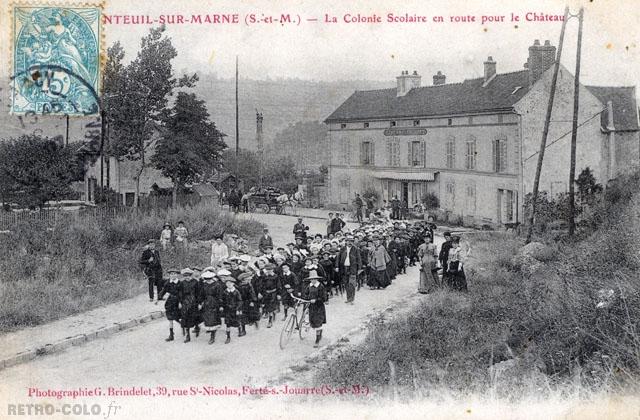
[
  {"x": 379, "y": 260},
  {"x": 428, "y": 257}
]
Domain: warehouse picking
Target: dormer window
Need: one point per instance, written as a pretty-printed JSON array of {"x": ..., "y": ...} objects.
[
  {"x": 392, "y": 124},
  {"x": 366, "y": 125},
  {"x": 416, "y": 123},
  {"x": 343, "y": 126}
]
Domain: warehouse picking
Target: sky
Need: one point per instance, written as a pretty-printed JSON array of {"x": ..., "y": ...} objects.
[{"x": 315, "y": 50}]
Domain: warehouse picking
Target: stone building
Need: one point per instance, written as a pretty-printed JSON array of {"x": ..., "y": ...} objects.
[{"x": 474, "y": 144}]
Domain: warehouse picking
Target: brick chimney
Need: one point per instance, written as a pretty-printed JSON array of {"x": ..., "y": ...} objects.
[
  {"x": 406, "y": 82},
  {"x": 541, "y": 57},
  {"x": 489, "y": 69},
  {"x": 439, "y": 79}
]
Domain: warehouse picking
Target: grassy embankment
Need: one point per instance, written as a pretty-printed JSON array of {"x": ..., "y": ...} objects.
[
  {"x": 529, "y": 325},
  {"x": 86, "y": 262}
]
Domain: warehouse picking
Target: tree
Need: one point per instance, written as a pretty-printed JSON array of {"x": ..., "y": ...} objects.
[
  {"x": 190, "y": 145},
  {"x": 36, "y": 169},
  {"x": 281, "y": 173},
  {"x": 143, "y": 91},
  {"x": 248, "y": 165},
  {"x": 588, "y": 188}
]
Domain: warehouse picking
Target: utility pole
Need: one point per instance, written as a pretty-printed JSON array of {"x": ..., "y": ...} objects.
[
  {"x": 237, "y": 127},
  {"x": 259, "y": 141},
  {"x": 574, "y": 131},
  {"x": 545, "y": 131}
]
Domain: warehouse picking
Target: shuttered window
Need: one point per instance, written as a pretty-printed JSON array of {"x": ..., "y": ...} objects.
[
  {"x": 451, "y": 152},
  {"x": 393, "y": 152},
  {"x": 500, "y": 154},
  {"x": 471, "y": 153},
  {"x": 417, "y": 153},
  {"x": 345, "y": 151},
  {"x": 367, "y": 153}
]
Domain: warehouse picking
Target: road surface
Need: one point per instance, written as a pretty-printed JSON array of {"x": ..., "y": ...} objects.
[{"x": 141, "y": 358}]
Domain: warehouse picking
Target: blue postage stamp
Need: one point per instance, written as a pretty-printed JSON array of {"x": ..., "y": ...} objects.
[{"x": 56, "y": 59}]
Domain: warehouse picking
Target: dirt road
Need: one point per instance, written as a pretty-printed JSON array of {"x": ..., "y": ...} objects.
[{"x": 141, "y": 358}]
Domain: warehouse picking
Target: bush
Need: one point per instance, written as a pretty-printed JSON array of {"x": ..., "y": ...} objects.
[
  {"x": 430, "y": 201},
  {"x": 573, "y": 318},
  {"x": 86, "y": 262}
]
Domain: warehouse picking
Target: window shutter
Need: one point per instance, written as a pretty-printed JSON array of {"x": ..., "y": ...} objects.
[
  {"x": 503, "y": 155},
  {"x": 361, "y": 153},
  {"x": 372, "y": 158},
  {"x": 423, "y": 153},
  {"x": 389, "y": 153},
  {"x": 409, "y": 162},
  {"x": 495, "y": 155}
]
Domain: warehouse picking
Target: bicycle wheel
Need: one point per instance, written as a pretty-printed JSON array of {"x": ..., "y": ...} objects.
[
  {"x": 304, "y": 326},
  {"x": 287, "y": 330}
]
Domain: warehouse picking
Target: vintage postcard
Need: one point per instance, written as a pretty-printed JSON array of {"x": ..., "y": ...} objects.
[{"x": 319, "y": 209}]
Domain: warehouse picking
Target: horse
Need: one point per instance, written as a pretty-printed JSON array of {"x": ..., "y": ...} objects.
[{"x": 286, "y": 200}]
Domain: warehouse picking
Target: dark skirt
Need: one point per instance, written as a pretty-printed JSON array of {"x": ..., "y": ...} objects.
[
  {"x": 270, "y": 302},
  {"x": 250, "y": 313},
  {"x": 190, "y": 316},
  {"x": 381, "y": 278},
  {"x": 317, "y": 315},
  {"x": 211, "y": 312},
  {"x": 287, "y": 300},
  {"x": 456, "y": 279},
  {"x": 231, "y": 319},
  {"x": 172, "y": 311}
]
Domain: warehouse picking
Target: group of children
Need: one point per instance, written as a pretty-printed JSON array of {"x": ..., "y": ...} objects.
[{"x": 241, "y": 289}]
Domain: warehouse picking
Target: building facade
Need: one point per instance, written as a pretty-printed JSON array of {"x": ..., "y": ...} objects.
[{"x": 474, "y": 144}]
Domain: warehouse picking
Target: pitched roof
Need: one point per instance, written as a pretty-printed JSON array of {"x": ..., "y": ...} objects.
[
  {"x": 205, "y": 190},
  {"x": 454, "y": 98},
  {"x": 625, "y": 109}
]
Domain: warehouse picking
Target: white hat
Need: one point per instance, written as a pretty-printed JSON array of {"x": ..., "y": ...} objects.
[
  {"x": 224, "y": 272},
  {"x": 208, "y": 275},
  {"x": 245, "y": 257}
]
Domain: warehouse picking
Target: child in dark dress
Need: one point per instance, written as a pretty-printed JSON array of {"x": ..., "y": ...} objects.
[
  {"x": 250, "y": 309},
  {"x": 231, "y": 307},
  {"x": 172, "y": 304},
  {"x": 316, "y": 294}
]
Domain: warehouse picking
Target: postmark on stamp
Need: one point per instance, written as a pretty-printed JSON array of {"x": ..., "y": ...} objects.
[{"x": 56, "y": 59}]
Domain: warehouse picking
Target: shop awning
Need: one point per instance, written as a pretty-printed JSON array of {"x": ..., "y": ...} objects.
[{"x": 406, "y": 176}]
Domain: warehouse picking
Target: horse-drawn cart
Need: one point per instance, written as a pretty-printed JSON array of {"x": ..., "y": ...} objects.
[{"x": 265, "y": 201}]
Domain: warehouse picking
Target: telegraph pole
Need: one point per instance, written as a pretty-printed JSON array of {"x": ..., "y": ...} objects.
[
  {"x": 237, "y": 127},
  {"x": 574, "y": 131},
  {"x": 545, "y": 131}
]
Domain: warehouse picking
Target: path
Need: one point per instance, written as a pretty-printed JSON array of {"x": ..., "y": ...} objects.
[{"x": 140, "y": 356}]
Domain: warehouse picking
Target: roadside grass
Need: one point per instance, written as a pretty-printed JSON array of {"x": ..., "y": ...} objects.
[
  {"x": 527, "y": 327},
  {"x": 83, "y": 263}
]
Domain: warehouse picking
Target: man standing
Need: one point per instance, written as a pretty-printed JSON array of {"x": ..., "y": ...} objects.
[
  {"x": 395, "y": 208},
  {"x": 329, "y": 223},
  {"x": 336, "y": 224},
  {"x": 348, "y": 265},
  {"x": 300, "y": 229},
  {"x": 359, "y": 204},
  {"x": 150, "y": 262},
  {"x": 265, "y": 240}
]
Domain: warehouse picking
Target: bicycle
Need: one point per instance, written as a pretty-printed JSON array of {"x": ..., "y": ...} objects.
[{"x": 301, "y": 323}]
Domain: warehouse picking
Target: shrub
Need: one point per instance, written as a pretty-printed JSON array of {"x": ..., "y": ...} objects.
[
  {"x": 85, "y": 262},
  {"x": 430, "y": 201}
]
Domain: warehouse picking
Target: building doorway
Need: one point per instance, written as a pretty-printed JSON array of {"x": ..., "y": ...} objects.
[{"x": 405, "y": 193}]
